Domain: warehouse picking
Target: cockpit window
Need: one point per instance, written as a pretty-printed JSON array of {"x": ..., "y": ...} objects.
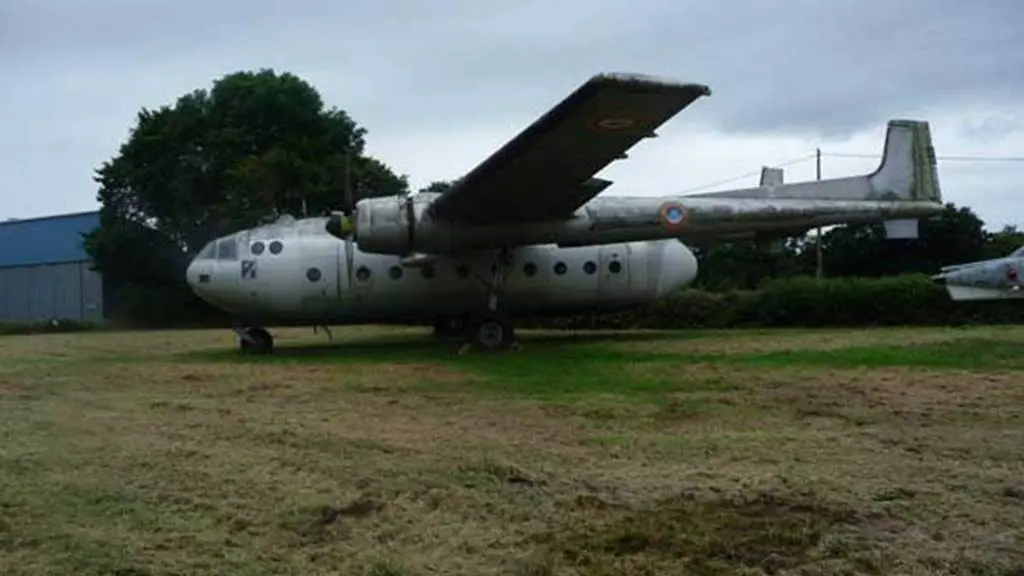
[
  {"x": 227, "y": 249},
  {"x": 209, "y": 252}
]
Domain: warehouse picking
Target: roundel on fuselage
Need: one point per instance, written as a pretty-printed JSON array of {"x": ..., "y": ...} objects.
[{"x": 673, "y": 216}]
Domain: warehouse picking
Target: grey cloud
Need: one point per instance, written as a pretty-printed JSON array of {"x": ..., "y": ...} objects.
[
  {"x": 829, "y": 68},
  {"x": 824, "y": 68},
  {"x": 76, "y": 72},
  {"x": 992, "y": 127}
]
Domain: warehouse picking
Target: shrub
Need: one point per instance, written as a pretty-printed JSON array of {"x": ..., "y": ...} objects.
[{"x": 804, "y": 301}]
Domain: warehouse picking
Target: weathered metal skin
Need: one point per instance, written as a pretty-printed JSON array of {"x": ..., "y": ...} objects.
[
  {"x": 384, "y": 228},
  {"x": 905, "y": 185},
  {"x": 995, "y": 279}
]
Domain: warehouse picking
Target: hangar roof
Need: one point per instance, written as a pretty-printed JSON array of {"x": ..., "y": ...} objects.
[{"x": 46, "y": 240}]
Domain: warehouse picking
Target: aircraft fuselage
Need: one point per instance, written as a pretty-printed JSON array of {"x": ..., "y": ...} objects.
[{"x": 297, "y": 273}]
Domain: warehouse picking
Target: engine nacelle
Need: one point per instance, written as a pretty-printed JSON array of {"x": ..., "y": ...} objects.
[
  {"x": 397, "y": 225},
  {"x": 383, "y": 225}
]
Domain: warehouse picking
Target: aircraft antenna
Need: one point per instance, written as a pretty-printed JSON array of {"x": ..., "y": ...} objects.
[{"x": 819, "y": 269}]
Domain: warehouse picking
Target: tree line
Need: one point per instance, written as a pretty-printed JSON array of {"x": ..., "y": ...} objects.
[{"x": 260, "y": 144}]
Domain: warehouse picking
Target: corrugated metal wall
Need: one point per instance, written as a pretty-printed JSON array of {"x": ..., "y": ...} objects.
[{"x": 68, "y": 290}]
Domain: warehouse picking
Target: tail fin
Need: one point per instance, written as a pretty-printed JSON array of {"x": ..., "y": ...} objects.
[
  {"x": 909, "y": 168},
  {"x": 906, "y": 173}
]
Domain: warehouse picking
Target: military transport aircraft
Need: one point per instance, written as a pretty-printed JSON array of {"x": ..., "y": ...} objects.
[
  {"x": 993, "y": 279},
  {"x": 524, "y": 234}
]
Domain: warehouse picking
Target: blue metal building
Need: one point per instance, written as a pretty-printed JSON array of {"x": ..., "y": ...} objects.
[{"x": 44, "y": 270}]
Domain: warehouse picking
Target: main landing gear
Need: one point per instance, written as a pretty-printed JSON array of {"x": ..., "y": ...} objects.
[
  {"x": 489, "y": 328},
  {"x": 256, "y": 341}
]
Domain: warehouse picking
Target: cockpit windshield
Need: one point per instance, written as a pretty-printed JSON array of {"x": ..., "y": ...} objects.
[
  {"x": 227, "y": 249},
  {"x": 221, "y": 249},
  {"x": 209, "y": 252}
]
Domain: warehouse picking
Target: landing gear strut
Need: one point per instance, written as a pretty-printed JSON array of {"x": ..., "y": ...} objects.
[
  {"x": 491, "y": 328},
  {"x": 256, "y": 341}
]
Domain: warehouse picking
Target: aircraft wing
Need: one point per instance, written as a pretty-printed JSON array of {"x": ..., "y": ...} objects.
[{"x": 546, "y": 172}]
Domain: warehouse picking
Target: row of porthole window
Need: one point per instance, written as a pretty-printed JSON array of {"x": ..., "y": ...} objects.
[
  {"x": 529, "y": 269},
  {"x": 258, "y": 247}
]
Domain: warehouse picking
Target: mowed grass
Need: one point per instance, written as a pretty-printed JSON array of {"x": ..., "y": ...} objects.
[{"x": 382, "y": 453}]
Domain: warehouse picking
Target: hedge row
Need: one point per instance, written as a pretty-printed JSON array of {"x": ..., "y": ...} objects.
[
  {"x": 804, "y": 301},
  {"x": 897, "y": 300}
]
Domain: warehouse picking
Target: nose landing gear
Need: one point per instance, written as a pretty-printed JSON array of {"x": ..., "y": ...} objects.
[{"x": 255, "y": 341}]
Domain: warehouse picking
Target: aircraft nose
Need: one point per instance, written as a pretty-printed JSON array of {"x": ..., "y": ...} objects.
[
  {"x": 678, "y": 267},
  {"x": 197, "y": 276},
  {"x": 192, "y": 275}
]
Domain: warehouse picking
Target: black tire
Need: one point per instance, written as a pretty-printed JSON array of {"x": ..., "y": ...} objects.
[
  {"x": 492, "y": 333},
  {"x": 262, "y": 342}
]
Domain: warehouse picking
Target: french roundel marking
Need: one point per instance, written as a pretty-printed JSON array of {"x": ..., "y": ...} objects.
[
  {"x": 613, "y": 124},
  {"x": 673, "y": 216}
]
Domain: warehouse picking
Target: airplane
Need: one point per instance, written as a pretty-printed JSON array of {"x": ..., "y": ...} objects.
[
  {"x": 992, "y": 279},
  {"x": 524, "y": 233}
]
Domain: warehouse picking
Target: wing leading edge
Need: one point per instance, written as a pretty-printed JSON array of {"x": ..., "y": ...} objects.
[{"x": 547, "y": 171}]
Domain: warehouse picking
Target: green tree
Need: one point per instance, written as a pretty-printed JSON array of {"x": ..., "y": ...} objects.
[
  {"x": 862, "y": 250},
  {"x": 440, "y": 186},
  {"x": 745, "y": 265},
  {"x": 253, "y": 147},
  {"x": 999, "y": 244}
]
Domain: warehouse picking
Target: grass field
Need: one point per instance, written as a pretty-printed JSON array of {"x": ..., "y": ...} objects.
[{"x": 380, "y": 453}]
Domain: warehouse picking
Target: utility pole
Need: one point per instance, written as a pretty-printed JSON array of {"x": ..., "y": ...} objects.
[{"x": 817, "y": 245}]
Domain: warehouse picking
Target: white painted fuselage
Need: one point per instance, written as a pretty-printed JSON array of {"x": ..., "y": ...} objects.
[{"x": 296, "y": 273}]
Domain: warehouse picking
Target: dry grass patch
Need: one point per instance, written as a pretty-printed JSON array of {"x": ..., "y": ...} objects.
[
  {"x": 148, "y": 463},
  {"x": 131, "y": 344},
  {"x": 743, "y": 342}
]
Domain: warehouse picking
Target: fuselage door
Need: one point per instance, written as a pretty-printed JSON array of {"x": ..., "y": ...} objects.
[
  {"x": 321, "y": 274},
  {"x": 614, "y": 272}
]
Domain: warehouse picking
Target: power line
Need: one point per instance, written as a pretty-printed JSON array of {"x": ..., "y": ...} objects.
[
  {"x": 748, "y": 174},
  {"x": 875, "y": 156},
  {"x": 944, "y": 158}
]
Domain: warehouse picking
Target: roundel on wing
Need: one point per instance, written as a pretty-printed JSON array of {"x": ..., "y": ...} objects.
[{"x": 621, "y": 124}]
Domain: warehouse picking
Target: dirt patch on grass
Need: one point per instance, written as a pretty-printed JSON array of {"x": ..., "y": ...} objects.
[{"x": 698, "y": 534}]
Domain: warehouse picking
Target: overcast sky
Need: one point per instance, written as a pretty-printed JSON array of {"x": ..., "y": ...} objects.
[{"x": 441, "y": 84}]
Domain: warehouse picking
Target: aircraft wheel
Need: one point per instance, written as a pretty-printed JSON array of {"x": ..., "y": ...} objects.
[
  {"x": 491, "y": 333},
  {"x": 261, "y": 342}
]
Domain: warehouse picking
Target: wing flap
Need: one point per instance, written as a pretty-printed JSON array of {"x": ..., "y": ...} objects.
[{"x": 546, "y": 171}]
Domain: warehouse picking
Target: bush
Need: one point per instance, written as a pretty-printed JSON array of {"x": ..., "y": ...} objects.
[
  {"x": 174, "y": 306},
  {"x": 803, "y": 301}
]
